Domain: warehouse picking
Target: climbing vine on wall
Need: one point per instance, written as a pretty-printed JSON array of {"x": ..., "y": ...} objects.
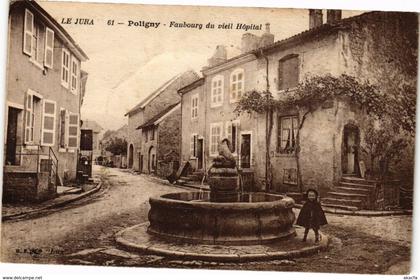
[{"x": 396, "y": 108}]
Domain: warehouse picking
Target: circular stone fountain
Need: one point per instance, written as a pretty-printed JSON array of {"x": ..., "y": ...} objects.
[
  {"x": 223, "y": 224},
  {"x": 254, "y": 219}
]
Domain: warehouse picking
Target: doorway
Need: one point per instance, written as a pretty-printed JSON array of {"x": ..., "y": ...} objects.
[
  {"x": 11, "y": 141},
  {"x": 141, "y": 163},
  {"x": 152, "y": 160},
  {"x": 245, "y": 150},
  {"x": 200, "y": 156},
  {"x": 350, "y": 151},
  {"x": 130, "y": 156}
]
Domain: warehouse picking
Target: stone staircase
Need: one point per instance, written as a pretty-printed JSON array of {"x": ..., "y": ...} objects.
[
  {"x": 351, "y": 193},
  {"x": 193, "y": 180}
]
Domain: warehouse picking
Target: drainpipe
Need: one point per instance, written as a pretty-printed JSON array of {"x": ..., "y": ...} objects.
[{"x": 267, "y": 127}]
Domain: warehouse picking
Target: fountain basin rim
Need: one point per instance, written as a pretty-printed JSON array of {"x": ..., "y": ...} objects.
[{"x": 282, "y": 202}]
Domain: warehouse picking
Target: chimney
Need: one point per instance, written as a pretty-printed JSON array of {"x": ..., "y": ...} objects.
[
  {"x": 219, "y": 56},
  {"x": 249, "y": 42},
  {"x": 267, "y": 38},
  {"x": 333, "y": 16},
  {"x": 315, "y": 18}
]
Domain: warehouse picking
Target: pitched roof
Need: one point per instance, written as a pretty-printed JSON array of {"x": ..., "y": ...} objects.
[
  {"x": 91, "y": 124},
  {"x": 191, "y": 86},
  {"x": 323, "y": 29},
  {"x": 158, "y": 91},
  {"x": 160, "y": 116},
  {"x": 59, "y": 31}
]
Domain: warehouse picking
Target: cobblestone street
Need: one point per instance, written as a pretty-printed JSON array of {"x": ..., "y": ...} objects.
[{"x": 83, "y": 233}]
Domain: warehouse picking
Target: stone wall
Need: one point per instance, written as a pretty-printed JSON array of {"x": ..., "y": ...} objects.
[
  {"x": 27, "y": 187},
  {"x": 383, "y": 48},
  {"x": 134, "y": 137},
  {"x": 190, "y": 126}
]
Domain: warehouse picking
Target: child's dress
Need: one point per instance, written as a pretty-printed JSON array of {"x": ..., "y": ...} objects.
[{"x": 311, "y": 215}]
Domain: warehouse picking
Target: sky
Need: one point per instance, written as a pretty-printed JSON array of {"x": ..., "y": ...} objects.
[{"x": 127, "y": 63}]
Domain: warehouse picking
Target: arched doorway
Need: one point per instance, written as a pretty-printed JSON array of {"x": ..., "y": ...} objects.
[
  {"x": 350, "y": 150},
  {"x": 130, "y": 156},
  {"x": 152, "y": 160}
]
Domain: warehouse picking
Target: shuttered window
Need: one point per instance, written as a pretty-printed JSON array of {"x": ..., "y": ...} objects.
[
  {"x": 65, "y": 68},
  {"x": 74, "y": 74},
  {"x": 215, "y": 137},
  {"x": 28, "y": 32},
  {"x": 49, "y": 48},
  {"x": 48, "y": 123},
  {"x": 194, "y": 106},
  {"x": 288, "y": 76},
  {"x": 217, "y": 91},
  {"x": 236, "y": 85},
  {"x": 73, "y": 130}
]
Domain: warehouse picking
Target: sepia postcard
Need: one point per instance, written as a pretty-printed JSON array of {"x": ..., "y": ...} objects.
[{"x": 209, "y": 137}]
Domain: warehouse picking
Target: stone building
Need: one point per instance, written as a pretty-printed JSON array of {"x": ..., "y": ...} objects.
[
  {"x": 367, "y": 46},
  {"x": 96, "y": 136},
  {"x": 141, "y": 156},
  {"x": 161, "y": 141},
  {"x": 44, "y": 89}
]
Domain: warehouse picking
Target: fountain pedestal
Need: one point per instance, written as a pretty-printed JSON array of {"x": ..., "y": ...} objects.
[{"x": 224, "y": 185}]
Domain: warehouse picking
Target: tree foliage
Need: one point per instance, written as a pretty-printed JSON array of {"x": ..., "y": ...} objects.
[{"x": 117, "y": 146}]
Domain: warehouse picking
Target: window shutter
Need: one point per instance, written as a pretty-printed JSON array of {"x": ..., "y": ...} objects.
[
  {"x": 63, "y": 126},
  {"x": 48, "y": 123},
  {"x": 65, "y": 68},
  {"x": 74, "y": 74},
  {"x": 49, "y": 48},
  {"x": 28, "y": 119},
  {"x": 73, "y": 131},
  {"x": 192, "y": 145},
  {"x": 28, "y": 32}
]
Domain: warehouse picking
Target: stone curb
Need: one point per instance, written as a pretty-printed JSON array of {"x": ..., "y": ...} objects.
[
  {"x": 55, "y": 205},
  {"x": 268, "y": 256},
  {"x": 365, "y": 213}
]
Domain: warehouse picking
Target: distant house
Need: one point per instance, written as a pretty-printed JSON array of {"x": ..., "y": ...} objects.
[
  {"x": 96, "y": 135},
  {"x": 44, "y": 91},
  {"x": 139, "y": 157},
  {"x": 368, "y": 46},
  {"x": 161, "y": 141}
]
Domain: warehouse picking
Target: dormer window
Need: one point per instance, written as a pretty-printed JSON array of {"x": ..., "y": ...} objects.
[
  {"x": 288, "y": 72},
  {"x": 217, "y": 91},
  {"x": 236, "y": 85}
]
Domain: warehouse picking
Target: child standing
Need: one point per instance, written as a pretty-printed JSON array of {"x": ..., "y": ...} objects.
[{"x": 311, "y": 215}]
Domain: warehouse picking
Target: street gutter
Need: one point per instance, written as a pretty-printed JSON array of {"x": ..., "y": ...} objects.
[{"x": 59, "y": 204}]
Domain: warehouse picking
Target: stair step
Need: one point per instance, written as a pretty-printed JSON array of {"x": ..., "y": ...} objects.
[
  {"x": 357, "y": 180},
  {"x": 347, "y": 195},
  {"x": 354, "y": 185},
  {"x": 343, "y": 207},
  {"x": 353, "y": 190},
  {"x": 341, "y": 201}
]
